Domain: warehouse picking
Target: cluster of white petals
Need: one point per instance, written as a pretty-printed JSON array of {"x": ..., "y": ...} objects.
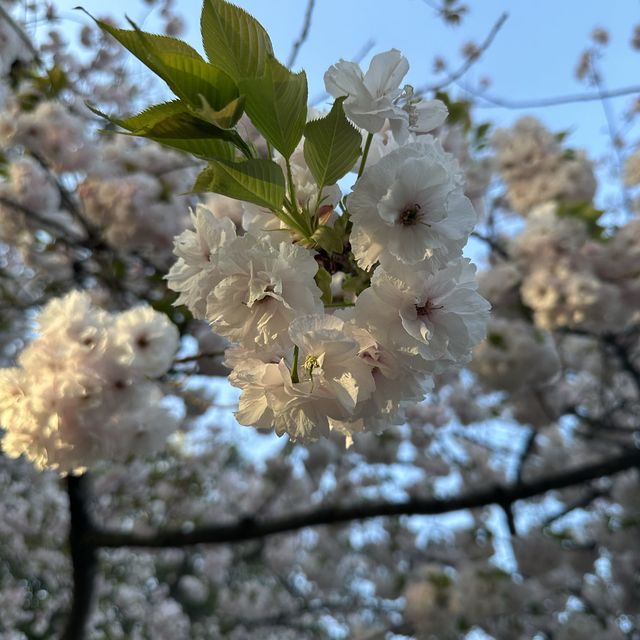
[
  {"x": 515, "y": 356},
  {"x": 536, "y": 169},
  {"x": 564, "y": 279},
  {"x": 306, "y": 370},
  {"x": 410, "y": 208},
  {"x": 376, "y": 97},
  {"x": 83, "y": 391},
  {"x": 130, "y": 195}
]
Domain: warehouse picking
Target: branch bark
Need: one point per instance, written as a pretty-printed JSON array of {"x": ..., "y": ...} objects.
[
  {"x": 83, "y": 557},
  {"x": 251, "y": 528}
]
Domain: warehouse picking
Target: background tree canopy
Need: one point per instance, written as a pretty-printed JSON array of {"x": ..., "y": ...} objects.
[{"x": 209, "y": 237}]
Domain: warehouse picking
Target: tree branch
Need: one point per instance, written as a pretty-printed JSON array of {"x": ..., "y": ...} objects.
[
  {"x": 51, "y": 226},
  {"x": 470, "y": 61},
  {"x": 496, "y": 101},
  {"x": 496, "y": 247},
  {"x": 304, "y": 34},
  {"x": 581, "y": 503},
  {"x": 197, "y": 356},
  {"x": 251, "y": 528},
  {"x": 20, "y": 32},
  {"x": 83, "y": 558}
]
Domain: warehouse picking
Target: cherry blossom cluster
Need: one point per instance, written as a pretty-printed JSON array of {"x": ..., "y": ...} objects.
[
  {"x": 131, "y": 193},
  {"x": 304, "y": 369},
  {"x": 537, "y": 169},
  {"x": 127, "y": 191},
  {"x": 83, "y": 389},
  {"x": 573, "y": 278},
  {"x": 559, "y": 286},
  {"x": 551, "y": 389}
]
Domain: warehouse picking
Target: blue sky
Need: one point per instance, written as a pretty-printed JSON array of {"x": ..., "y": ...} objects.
[{"x": 534, "y": 55}]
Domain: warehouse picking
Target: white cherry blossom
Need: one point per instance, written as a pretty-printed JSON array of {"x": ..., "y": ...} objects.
[
  {"x": 375, "y": 96},
  {"x": 263, "y": 287},
  {"x": 434, "y": 320},
  {"x": 149, "y": 338},
  {"x": 195, "y": 273},
  {"x": 410, "y": 207}
]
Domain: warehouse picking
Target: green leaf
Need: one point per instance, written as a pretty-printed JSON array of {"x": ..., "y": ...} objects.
[
  {"x": 323, "y": 280},
  {"x": 586, "y": 212},
  {"x": 224, "y": 118},
  {"x": 277, "y": 105},
  {"x": 356, "y": 283},
  {"x": 258, "y": 181},
  {"x": 208, "y": 149},
  {"x": 234, "y": 40},
  {"x": 145, "y": 46},
  {"x": 331, "y": 145},
  {"x": 342, "y": 224},
  {"x": 211, "y": 93},
  {"x": 172, "y": 125},
  {"x": 193, "y": 80},
  {"x": 145, "y": 119},
  {"x": 329, "y": 239}
]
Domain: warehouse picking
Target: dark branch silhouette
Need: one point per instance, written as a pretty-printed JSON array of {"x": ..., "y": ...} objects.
[
  {"x": 252, "y": 528},
  {"x": 83, "y": 558}
]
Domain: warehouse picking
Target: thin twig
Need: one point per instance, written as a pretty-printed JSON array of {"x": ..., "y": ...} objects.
[
  {"x": 610, "y": 120},
  {"x": 94, "y": 241},
  {"x": 527, "y": 450},
  {"x": 538, "y": 103},
  {"x": 304, "y": 34},
  {"x": 581, "y": 503},
  {"x": 252, "y": 528},
  {"x": 511, "y": 520},
  {"x": 493, "y": 245},
  {"x": 470, "y": 61},
  {"x": 197, "y": 356},
  {"x": 364, "y": 50},
  {"x": 21, "y": 34}
]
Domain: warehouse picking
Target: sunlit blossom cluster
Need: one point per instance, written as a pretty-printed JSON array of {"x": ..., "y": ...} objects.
[
  {"x": 83, "y": 390},
  {"x": 304, "y": 369}
]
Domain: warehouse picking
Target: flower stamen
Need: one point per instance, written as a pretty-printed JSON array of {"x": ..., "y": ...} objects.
[{"x": 410, "y": 215}]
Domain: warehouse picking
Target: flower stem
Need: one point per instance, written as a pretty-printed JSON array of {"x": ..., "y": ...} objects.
[
  {"x": 292, "y": 187},
  {"x": 294, "y": 366},
  {"x": 365, "y": 153}
]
